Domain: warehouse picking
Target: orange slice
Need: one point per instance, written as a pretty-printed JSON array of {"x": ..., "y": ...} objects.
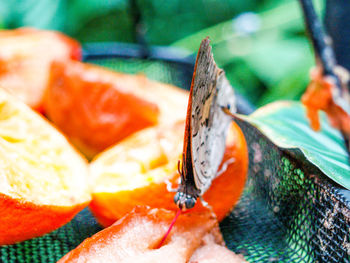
[
  {"x": 96, "y": 107},
  {"x": 43, "y": 181},
  {"x": 137, "y": 171},
  {"x": 25, "y": 58}
]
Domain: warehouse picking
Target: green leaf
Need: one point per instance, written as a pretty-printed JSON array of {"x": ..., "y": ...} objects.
[
  {"x": 243, "y": 80},
  {"x": 83, "y": 12},
  {"x": 274, "y": 60},
  {"x": 5, "y": 14},
  {"x": 113, "y": 26},
  {"x": 285, "y": 124},
  {"x": 281, "y": 17},
  {"x": 187, "y": 17},
  {"x": 290, "y": 87},
  {"x": 43, "y": 14}
]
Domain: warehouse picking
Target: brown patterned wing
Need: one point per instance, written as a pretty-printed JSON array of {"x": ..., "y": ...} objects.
[
  {"x": 206, "y": 128},
  {"x": 209, "y": 124}
]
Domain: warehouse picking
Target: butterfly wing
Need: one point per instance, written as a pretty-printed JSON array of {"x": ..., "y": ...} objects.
[
  {"x": 209, "y": 124},
  {"x": 206, "y": 127},
  {"x": 187, "y": 192},
  {"x": 188, "y": 183}
]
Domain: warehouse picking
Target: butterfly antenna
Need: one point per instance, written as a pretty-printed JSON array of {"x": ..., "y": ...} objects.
[{"x": 180, "y": 169}]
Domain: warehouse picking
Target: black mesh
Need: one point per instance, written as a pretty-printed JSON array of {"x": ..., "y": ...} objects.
[
  {"x": 167, "y": 72},
  {"x": 289, "y": 211}
]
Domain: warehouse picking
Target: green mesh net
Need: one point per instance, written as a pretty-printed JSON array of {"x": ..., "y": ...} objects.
[{"x": 289, "y": 212}]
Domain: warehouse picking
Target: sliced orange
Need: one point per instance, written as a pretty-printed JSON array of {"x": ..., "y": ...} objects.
[
  {"x": 25, "y": 58},
  {"x": 96, "y": 107},
  {"x": 43, "y": 180},
  {"x": 136, "y": 236},
  {"x": 138, "y": 170}
]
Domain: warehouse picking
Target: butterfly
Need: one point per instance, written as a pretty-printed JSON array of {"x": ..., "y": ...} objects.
[{"x": 206, "y": 128}]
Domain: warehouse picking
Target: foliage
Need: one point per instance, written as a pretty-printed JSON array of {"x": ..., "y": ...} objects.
[
  {"x": 285, "y": 124},
  {"x": 265, "y": 64},
  {"x": 264, "y": 51}
]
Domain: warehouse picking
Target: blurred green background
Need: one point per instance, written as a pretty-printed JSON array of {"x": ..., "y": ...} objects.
[{"x": 260, "y": 43}]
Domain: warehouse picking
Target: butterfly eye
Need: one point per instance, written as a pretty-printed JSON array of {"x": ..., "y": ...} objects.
[
  {"x": 176, "y": 198},
  {"x": 178, "y": 167},
  {"x": 184, "y": 201},
  {"x": 190, "y": 202}
]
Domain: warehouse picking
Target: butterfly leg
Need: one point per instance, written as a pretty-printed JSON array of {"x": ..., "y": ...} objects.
[
  {"x": 224, "y": 166},
  {"x": 205, "y": 204},
  {"x": 227, "y": 111},
  {"x": 169, "y": 186}
]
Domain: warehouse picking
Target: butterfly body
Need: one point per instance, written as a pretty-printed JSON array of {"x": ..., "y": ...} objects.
[{"x": 206, "y": 128}]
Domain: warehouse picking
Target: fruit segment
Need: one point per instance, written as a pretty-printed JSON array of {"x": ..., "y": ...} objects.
[
  {"x": 96, "y": 107},
  {"x": 195, "y": 238},
  {"x": 135, "y": 238},
  {"x": 319, "y": 96},
  {"x": 141, "y": 169},
  {"x": 25, "y": 58},
  {"x": 135, "y": 171},
  {"x": 43, "y": 180}
]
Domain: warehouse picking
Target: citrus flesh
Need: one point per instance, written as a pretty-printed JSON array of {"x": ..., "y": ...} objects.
[
  {"x": 96, "y": 107},
  {"x": 141, "y": 169},
  {"x": 43, "y": 180},
  {"x": 25, "y": 58}
]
